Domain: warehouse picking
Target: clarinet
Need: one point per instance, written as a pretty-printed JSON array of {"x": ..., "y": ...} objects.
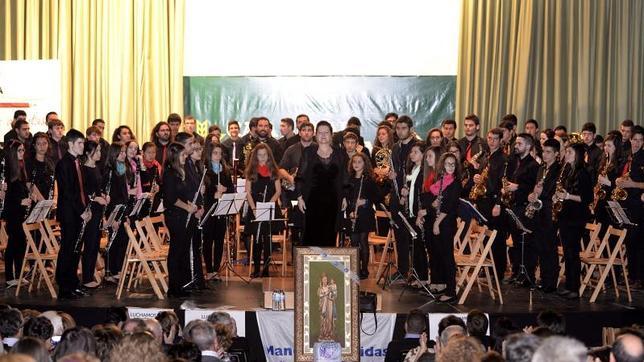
[
  {"x": 108, "y": 188},
  {"x": 154, "y": 185},
  {"x": 355, "y": 211},
  {"x": 28, "y": 208},
  {"x": 79, "y": 240},
  {"x": 50, "y": 197},
  {"x": 2, "y": 177}
]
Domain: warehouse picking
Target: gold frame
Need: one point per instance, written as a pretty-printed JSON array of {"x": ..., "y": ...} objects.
[{"x": 344, "y": 260}]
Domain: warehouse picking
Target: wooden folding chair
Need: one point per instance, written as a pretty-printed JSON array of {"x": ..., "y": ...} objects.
[
  {"x": 388, "y": 246},
  {"x": 479, "y": 258},
  {"x": 4, "y": 238},
  {"x": 587, "y": 249},
  {"x": 461, "y": 245},
  {"x": 605, "y": 260},
  {"x": 160, "y": 227},
  {"x": 33, "y": 254},
  {"x": 134, "y": 256},
  {"x": 150, "y": 244}
]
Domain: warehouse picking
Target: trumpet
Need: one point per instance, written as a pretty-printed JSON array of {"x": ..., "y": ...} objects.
[
  {"x": 619, "y": 193},
  {"x": 557, "y": 203},
  {"x": 537, "y": 204},
  {"x": 287, "y": 185}
]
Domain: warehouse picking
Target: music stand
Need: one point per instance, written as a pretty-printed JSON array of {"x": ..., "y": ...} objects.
[
  {"x": 413, "y": 274},
  {"x": 39, "y": 212},
  {"x": 523, "y": 271},
  {"x": 618, "y": 214},
  {"x": 467, "y": 211},
  {"x": 386, "y": 274},
  {"x": 230, "y": 205},
  {"x": 265, "y": 212},
  {"x": 136, "y": 209}
]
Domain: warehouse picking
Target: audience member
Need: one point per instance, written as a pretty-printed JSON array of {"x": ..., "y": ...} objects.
[
  {"x": 10, "y": 324},
  {"x": 203, "y": 335},
  {"x": 553, "y": 321},
  {"x": 187, "y": 351},
  {"x": 477, "y": 326},
  {"x": 627, "y": 348},
  {"x": 560, "y": 349},
  {"x": 460, "y": 348},
  {"x": 137, "y": 347},
  {"x": 170, "y": 326},
  {"x": 415, "y": 324},
  {"x": 40, "y": 328},
  {"x": 33, "y": 347},
  {"x": 520, "y": 347},
  {"x": 77, "y": 339},
  {"x": 106, "y": 338}
]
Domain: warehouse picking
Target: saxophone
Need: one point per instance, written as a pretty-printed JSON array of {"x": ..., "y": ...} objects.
[
  {"x": 537, "y": 204},
  {"x": 507, "y": 196},
  {"x": 466, "y": 164},
  {"x": 557, "y": 203},
  {"x": 620, "y": 194},
  {"x": 598, "y": 190},
  {"x": 382, "y": 158},
  {"x": 479, "y": 190}
]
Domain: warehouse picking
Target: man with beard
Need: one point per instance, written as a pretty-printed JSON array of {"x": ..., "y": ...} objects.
[
  {"x": 161, "y": 139},
  {"x": 264, "y": 136},
  {"x": 471, "y": 145}
]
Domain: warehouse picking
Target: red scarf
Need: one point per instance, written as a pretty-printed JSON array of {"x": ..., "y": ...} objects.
[
  {"x": 264, "y": 170},
  {"x": 429, "y": 180},
  {"x": 435, "y": 187}
]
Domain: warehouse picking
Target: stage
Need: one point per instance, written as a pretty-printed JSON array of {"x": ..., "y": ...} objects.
[{"x": 584, "y": 320}]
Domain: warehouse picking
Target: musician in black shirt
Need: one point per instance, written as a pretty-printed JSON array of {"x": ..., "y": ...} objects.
[
  {"x": 471, "y": 145},
  {"x": 72, "y": 204},
  {"x": 119, "y": 175},
  {"x": 592, "y": 153}
]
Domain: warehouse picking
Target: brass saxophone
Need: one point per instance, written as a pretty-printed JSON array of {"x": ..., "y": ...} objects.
[
  {"x": 537, "y": 204},
  {"x": 557, "y": 203},
  {"x": 479, "y": 190},
  {"x": 620, "y": 194},
  {"x": 507, "y": 197},
  {"x": 599, "y": 191},
  {"x": 466, "y": 168},
  {"x": 287, "y": 185}
]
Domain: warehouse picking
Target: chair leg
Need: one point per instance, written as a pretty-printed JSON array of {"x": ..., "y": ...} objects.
[
  {"x": 602, "y": 279},
  {"x": 498, "y": 285},
  {"x": 586, "y": 280},
  {"x": 470, "y": 283}
]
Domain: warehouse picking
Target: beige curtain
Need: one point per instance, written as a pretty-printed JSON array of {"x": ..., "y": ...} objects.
[
  {"x": 121, "y": 60},
  {"x": 560, "y": 62}
]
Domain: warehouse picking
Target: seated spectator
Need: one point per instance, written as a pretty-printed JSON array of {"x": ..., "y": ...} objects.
[
  {"x": 520, "y": 347},
  {"x": 137, "y": 347},
  {"x": 477, "y": 326},
  {"x": 16, "y": 357},
  {"x": 422, "y": 352},
  {"x": 450, "y": 320},
  {"x": 106, "y": 338},
  {"x": 78, "y": 357},
  {"x": 77, "y": 339},
  {"x": 170, "y": 326},
  {"x": 503, "y": 327},
  {"x": 415, "y": 324},
  {"x": 240, "y": 344},
  {"x": 553, "y": 321},
  {"x": 224, "y": 340},
  {"x": 56, "y": 322},
  {"x": 41, "y": 328},
  {"x": 449, "y": 333},
  {"x": 116, "y": 316},
  {"x": 154, "y": 326},
  {"x": 10, "y": 324},
  {"x": 460, "y": 348},
  {"x": 626, "y": 348},
  {"x": 29, "y": 313},
  {"x": 133, "y": 325},
  {"x": 492, "y": 356},
  {"x": 68, "y": 320},
  {"x": 560, "y": 349},
  {"x": 33, "y": 347},
  {"x": 203, "y": 335},
  {"x": 187, "y": 351}
]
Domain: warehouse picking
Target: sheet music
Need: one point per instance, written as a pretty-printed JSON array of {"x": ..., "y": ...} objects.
[
  {"x": 40, "y": 211},
  {"x": 264, "y": 211},
  {"x": 241, "y": 185},
  {"x": 619, "y": 213}
]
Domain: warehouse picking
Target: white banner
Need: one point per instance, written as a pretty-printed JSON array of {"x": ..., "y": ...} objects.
[
  {"x": 238, "y": 315},
  {"x": 145, "y": 313},
  {"x": 435, "y": 318},
  {"x": 277, "y": 332},
  {"x": 31, "y": 85}
]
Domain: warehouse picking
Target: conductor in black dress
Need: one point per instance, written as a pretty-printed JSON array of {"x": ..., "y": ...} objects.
[
  {"x": 319, "y": 183},
  {"x": 71, "y": 212}
]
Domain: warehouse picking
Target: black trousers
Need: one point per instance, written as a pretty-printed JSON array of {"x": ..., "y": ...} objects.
[
  {"x": 441, "y": 251},
  {"x": 68, "y": 259},
  {"x": 16, "y": 244},
  {"x": 261, "y": 244},
  {"x": 117, "y": 250},
  {"x": 570, "y": 240},
  {"x": 213, "y": 242},
  {"x": 361, "y": 241},
  {"x": 418, "y": 254},
  {"x": 179, "y": 252},
  {"x": 499, "y": 246},
  {"x": 91, "y": 244},
  {"x": 546, "y": 241}
]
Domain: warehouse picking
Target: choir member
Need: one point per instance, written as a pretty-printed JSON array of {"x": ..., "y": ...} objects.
[
  {"x": 262, "y": 185},
  {"x": 72, "y": 211},
  {"x": 41, "y": 168},
  {"x": 471, "y": 146},
  {"x": 319, "y": 183}
]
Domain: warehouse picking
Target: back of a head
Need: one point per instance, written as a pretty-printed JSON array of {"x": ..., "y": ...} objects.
[
  {"x": 185, "y": 350},
  {"x": 560, "y": 349},
  {"x": 203, "y": 335},
  {"x": 452, "y": 332},
  {"x": 16, "y": 357},
  {"x": 77, "y": 339},
  {"x": 38, "y": 327},
  {"x": 10, "y": 322},
  {"x": 106, "y": 338},
  {"x": 78, "y": 357},
  {"x": 520, "y": 347},
  {"x": 416, "y": 322},
  {"x": 450, "y": 320},
  {"x": 154, "y": 326},
  {"x": 477, "y": 323},
  {"x": 628, "y": 348},
  {"x": 133, "y": 325},
  {"x": 56, "y": 321},
  {"x": 137, "y": 347},
  {"x": 33, "y": 347},
  {"x": 553, "y": 321},
  {"x": 461, "y": 348}
]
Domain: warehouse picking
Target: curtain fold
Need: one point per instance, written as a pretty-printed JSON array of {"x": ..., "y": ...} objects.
[
  {"x": 121, "y": 60},
  {"x": 560, "y": 62}
]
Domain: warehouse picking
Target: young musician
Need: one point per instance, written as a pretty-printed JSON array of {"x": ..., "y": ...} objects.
[
  {"x": 92, "y": 233},
  {"x": 439, "y": 204},
  {"x": 545, "y": 233},
  {"x": 609, "y": 169},
  {"x": 262, "y": 185},
  {"x": 17, "y": 203},
  {"x": 521, "y": 178},
  {"x": 411, "y": 192},
  {"x": 319, "y": 183},
  {"x": 576, "y": 196},
  {"x": 471, "y": 145},
  {"x": 161, "y": 138},
  {"x": 489, "y": 204},
  {"x": 133, "y": 164},
  {"x": 194, "y": 172},
  {"x": 218, "y": 181},
  {"x": 399, "y": 155},
  {"x": 72, "y": 211},
  {"x": 40, "y": 167},
  {"x": 179, "y": 207},
  {"x": 361, "y": 194},
  {"x": 120, "y": 179},
  {"x": 151, "y": 171}
]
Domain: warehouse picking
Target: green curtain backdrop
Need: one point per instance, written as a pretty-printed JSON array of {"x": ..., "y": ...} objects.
[
  {"x": 561, "y": 62},
  {"x": 428, "y": 100}
]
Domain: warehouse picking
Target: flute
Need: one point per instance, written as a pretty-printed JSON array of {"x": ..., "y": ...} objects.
[{"x": 194, "y": 199}]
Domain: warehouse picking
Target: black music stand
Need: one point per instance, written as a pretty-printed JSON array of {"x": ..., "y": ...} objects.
[
  {"x": 618, "y": 214},
  {"x": 265, "y": 212},
  {"x": 523, "y": 271},
  {"x": 412, "y": 275},
  {"x": 228, "y": 206}
]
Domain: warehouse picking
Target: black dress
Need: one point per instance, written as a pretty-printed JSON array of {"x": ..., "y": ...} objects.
[
  {"x": 14, "y": 215},
  {"x": 118, "y": 245},
  {"x": 320, "y": 181},
  {"x": 215, "y": 226},
  {"x": 92, "y": 234},
  {"x": 175, "y": 188}
]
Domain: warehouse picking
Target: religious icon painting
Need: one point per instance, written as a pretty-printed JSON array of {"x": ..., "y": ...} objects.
[{"x": 326, "y": 301}]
